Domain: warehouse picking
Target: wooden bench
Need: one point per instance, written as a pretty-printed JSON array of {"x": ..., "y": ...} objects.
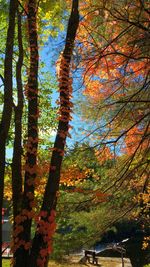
[{"x": 91, "y": 254}]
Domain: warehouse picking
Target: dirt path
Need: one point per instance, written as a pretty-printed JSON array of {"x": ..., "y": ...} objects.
[
  {"x": 105, "y": 262},
  {"x": 113, "y": 262}
]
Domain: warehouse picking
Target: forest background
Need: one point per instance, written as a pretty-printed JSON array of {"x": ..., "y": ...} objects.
[{"x": 95, "y": 55}]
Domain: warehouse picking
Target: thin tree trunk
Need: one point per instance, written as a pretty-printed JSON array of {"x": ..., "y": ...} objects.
[
  {"x": 8, "y": 103},
  {"x": 39, "y": 245},
  {"x": 17, "y": 152},
  {"x": 21, "y": 254}
]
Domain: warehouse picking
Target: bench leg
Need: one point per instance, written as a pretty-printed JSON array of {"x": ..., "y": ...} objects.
[
  {"x": 95, "y": 261},
  {"x": 88, "y": 259}
]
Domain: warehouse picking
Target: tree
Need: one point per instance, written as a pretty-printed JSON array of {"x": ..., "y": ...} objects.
[
  {"x": 115, "y": 74},
  {"x": 113, "y": 42},
  {"x": 115, "y": 67},
  {"x": 7, "y": 108},
  {"x": 84, "y": 212},
  {"x": 35, "y": 253}
]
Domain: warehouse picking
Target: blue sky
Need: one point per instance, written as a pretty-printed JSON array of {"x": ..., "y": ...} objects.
[{"x": 49, "y": 55}]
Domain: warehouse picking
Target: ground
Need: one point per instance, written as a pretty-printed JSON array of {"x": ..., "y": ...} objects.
[{"x": 103, "y": 262}]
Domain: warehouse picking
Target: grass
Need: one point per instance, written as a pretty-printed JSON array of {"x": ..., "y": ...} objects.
[{"x": 6, "y": 263}]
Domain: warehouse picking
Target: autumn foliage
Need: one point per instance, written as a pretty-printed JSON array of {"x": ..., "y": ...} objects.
[{"x": 108, "y": 47}]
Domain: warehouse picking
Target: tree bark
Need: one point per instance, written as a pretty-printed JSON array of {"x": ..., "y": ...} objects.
[
  {"x": 17, "y": 151},
  {"x": 8, "y": 103},
  {"x": 21, "y": 251},
  {"x": 17, "y": 147},
  {"x": 52, "y": 186}
]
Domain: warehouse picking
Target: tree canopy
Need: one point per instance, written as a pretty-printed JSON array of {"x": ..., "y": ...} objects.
[{"x": 93, "y": 56}]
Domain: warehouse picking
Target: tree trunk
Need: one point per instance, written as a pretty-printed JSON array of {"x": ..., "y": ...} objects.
[
  {"x": 8, "y": 103},
  {"x": 17, "y": 152},
  {"x": 41, "y": 245},
  {"x": 21, "y": 246}
]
